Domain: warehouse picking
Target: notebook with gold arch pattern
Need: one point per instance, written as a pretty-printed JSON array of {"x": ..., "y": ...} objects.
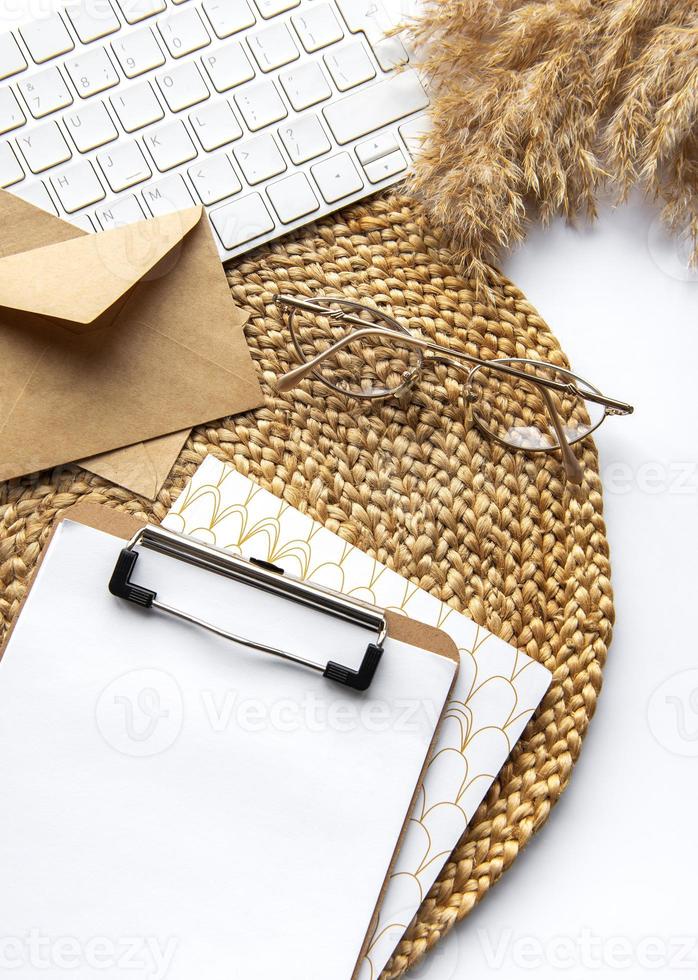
[{"x": 496, "y": 693}]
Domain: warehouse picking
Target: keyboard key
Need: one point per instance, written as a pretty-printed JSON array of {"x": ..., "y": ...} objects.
[
  {"x": 273, "y": 47},
  {"x": 304, "y": 139},
  {"x": 241, "y": 221},
  {"x": 10, "y": 169},
  {"x": 91, "y": 126},
  {"x": 135, "y": 11},
  {"x": 388, "y": 166},
  {"x": 44, "y": 147},
  {"x": 305, "y": 86},
  {"x": 93, "y": 19},
  {"x": 38, "y": 195},
  {"x": 317, "y": 27},
  {"x": 170, "y": 145},
  {"x": 260, "y": 159},
  {"x": 215, "y": 125},
  {"x": 45, "y": 92},
  {"x": 123, "y": 166},
  {"x": 228, "y": 66},
  {"x": 260, "y": 106},
  {"x": 390, "y": 53},
  {"x": 11, "y": 58},
  {"x": 270, "y": 8},
  {"x": 414, "y": 131},
  {"x": 371, "y": 19},
  {"x": 46, "y": 38},
  {"x": 374, "y": 149},
  {"x": 350, "y": 66},
  {"x": 293, "y": 198},
  {"x": 91, "y": 72},
  {"x": 83, "y": 221},
  {"x": 182, "y": 86},
  {"x": 228, "y": 16},
  {"x": 11, "y": 116},
  {"x": 337, "y": 177},
  {"x": 138, "y": 52},
  {"x": 137, "y": 107},
  {"x": 376, "y": 106},
  {"x": 184, "y": 32},
  {"x": 119, "y": 213},
  {"x": 215, "y": 179},
  {"x": 167, "y": 195},
  {"x": 78, "y": 186}
]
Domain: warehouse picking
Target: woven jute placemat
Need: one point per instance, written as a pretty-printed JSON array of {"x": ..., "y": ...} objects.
[{"x": 499, "y": 535}]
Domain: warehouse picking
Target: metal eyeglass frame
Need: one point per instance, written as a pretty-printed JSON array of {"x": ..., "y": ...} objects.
[{"x": 453, "y": 358}]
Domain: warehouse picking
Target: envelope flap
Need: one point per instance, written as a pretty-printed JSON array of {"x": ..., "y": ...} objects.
[
  {"x": 78, "y": 280},
  {"x": 25, "y": 226}
]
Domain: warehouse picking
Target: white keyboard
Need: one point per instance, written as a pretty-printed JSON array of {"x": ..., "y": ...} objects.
[{"x": 271, "y": 113}]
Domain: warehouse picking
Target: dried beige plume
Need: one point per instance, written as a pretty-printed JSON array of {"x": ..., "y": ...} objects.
[{"x": 538, "y": 105}]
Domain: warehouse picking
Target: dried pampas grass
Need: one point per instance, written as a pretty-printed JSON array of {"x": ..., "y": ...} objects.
[{"x": 540, "y": 104}]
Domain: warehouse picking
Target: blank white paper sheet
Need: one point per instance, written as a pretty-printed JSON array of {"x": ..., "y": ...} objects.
[{"x": 175, "y": 806}]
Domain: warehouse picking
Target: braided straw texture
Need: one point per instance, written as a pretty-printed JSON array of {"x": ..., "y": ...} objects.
[{"x": 497, "y": 534}]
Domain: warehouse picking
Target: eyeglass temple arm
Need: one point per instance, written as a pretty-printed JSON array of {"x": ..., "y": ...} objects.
[
  {"x": 573, "y": 468},
  {"x": 289, "y": 380}
]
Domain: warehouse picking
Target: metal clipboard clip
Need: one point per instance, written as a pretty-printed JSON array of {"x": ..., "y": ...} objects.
[{"x": 260, "y": 575}]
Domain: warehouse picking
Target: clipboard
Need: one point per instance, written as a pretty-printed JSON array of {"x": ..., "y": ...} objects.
[{"x": 397, "y": 627}]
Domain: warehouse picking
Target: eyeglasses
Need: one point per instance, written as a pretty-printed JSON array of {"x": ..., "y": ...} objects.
[{"x": 528, "y": 405}]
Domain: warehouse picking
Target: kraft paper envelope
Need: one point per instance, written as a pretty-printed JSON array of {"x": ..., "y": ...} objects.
[{"x": 113, "y": 345}]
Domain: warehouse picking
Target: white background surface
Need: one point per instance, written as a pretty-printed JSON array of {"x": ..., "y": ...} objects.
[{"x": 608, "y": 888}]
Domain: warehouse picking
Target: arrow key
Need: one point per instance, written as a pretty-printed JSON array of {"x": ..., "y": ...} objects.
[
  {"x": 385, "y": 167},
  {"x": 374, "y": 149},
  {"x": 337, "y": 177}
]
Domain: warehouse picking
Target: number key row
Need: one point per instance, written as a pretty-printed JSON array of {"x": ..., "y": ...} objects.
[
  {"x": 181, "y": 33},
  {"x": 181, "y": 86}
]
